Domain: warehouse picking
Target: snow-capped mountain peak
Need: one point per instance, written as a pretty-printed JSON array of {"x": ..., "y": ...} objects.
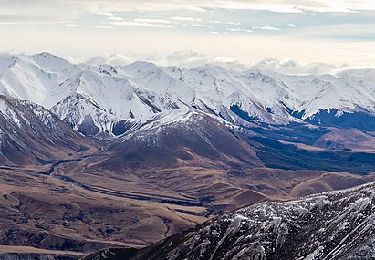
[
  {"x": 105, "y": 94},
  {"x": 50, "y": 62}
]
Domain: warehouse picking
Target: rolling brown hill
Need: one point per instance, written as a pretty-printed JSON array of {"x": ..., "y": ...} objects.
[{"x": 197, "y": 140}]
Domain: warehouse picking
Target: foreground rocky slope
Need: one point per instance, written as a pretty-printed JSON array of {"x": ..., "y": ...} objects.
[{"x": 336, "y": 225}]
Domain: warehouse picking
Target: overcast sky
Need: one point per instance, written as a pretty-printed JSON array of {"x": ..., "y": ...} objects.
[{"x": 332, "y": 31}]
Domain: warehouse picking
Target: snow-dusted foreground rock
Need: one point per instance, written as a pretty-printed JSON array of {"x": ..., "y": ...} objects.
[{"x": 337, "y": 225}]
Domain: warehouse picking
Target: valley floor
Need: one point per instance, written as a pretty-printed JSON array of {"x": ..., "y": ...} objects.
[{"x": 28, "y": 252}]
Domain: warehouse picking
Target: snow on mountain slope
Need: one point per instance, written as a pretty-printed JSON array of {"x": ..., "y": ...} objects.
[
  {"x": 84, "y": 115},
  {"x": 49, "y": 62},
  {"x": 181, "y": 137},
  {"x": 24, "y": 80},
  {"x": 53, "y": 83},
  {"x": 116, "y": 95},
  {"x": 257, "y": 91},
  {"x": 311, "y": 94},
  {"x": 36, "y": 78},
  {"x": 30, "y": 134},
  {"x": 100, "y": 96},
  {"x": 217, "y": 90},
  {"x": 156, "y": 79},
  {"x": 336, "y": 225}
]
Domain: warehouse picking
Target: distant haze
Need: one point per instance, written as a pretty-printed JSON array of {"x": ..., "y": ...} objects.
[{"x": 244, "y": 32}]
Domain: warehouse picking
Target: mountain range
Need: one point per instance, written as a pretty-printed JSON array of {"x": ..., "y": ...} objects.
[
  {"x": 103, "y": 99},
  {"x": 95, "y": 155}
]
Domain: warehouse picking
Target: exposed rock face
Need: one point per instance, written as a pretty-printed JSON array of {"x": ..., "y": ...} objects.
[{"x": 337, "y": 225}]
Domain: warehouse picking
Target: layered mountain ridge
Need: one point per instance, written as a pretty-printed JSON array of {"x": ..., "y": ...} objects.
[
  {"x": 93, "y": 99},
  {"x": 164, "y": 149}
]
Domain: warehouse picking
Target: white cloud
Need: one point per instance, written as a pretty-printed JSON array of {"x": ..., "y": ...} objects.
[
  {"x": 114, "y": 60},
  {"x": 240, "y": 30},
  {"x": 295, "y": 68},
  {"x": 351, "y": 43},
  {"x": 27, "y": 23},
  {"x": 74, "y": 10},
  {"x": 280, "y": 6},
  {"x": 232, "y": 23},
  {"x": 10, "y": 23},
  {"x": 141, "y": 24},
  {"x": 185, "y": 58},
  {"x": 268, "y": 28},
  {"x": 191, "y": 59},
  {"x": 184, "y": 18},
  {"x": 197, "y": 25},
  {"x": 151, "y": 20},
  {"x": 103, "y": 26},
  {"x": 115, "y": 18},
  {"x": 70, "y": 25},
  {"x": 145, "y": 22}
]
